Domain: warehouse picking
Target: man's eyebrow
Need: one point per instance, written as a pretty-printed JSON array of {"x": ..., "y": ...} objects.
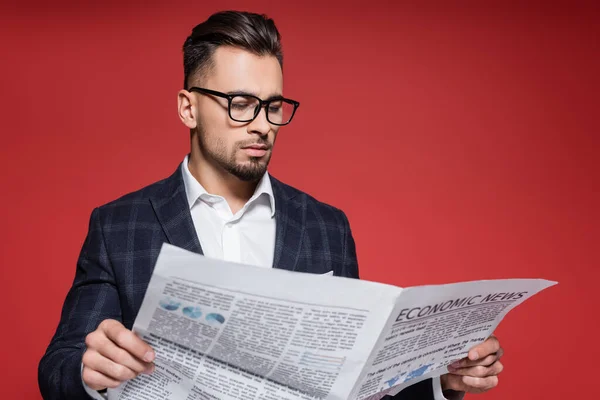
[{"x": 251, "y": 93}]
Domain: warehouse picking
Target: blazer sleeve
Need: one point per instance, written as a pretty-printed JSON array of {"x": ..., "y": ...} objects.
[
  {"x": 419, "y": 391},
  {"x": 92, "y": 298},
  {"x": 350, "y": 261}
]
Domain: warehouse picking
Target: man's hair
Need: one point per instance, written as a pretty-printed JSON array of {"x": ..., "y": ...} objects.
[{"x": 251, "y": 32}]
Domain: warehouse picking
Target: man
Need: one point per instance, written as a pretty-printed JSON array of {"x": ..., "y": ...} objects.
[{"x": 220, "y": 202}]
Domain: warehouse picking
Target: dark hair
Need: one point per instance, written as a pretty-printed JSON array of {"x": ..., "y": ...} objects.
[{"x": 255, "y": 33}]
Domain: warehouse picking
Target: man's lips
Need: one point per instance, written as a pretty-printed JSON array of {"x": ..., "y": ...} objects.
[
  {"x": 257, "y": 147},
  {"x": 256, "y": 150}
]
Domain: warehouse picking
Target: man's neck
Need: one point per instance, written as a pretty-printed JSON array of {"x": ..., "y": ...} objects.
[{"x": 219, "y": 182}]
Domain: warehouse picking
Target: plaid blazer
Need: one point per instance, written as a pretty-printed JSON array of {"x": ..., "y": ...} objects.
[{"x": 121, "y": 248}]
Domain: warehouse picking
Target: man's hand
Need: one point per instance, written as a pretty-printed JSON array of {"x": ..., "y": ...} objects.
[
  {"x": 114, "y": 354},
  {"x": 478, "y": 372}
]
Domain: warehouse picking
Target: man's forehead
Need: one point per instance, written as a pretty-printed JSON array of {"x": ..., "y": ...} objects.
[{"x": 235, "y": 69}]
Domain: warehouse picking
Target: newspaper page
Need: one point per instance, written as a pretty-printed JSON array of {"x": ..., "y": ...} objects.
[
  {"x": 227, "y": 331},
  {"x": 433, "y": 326}
]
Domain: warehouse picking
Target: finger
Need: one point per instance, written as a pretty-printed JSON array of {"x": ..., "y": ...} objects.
[
  {"x": 96, "y": 380},
  {"x": 500, "y": 353},
  {"x": 455, "y": 382},
  {"x": 479, "y": 371},
  {"x": 127, "y": 340},
  {"x": 482, "y": 350},
  {"x": 97, "y": 362},
  {"x": 480, "y": 384},
  {"x": 110, "y": 350},
  {"x": 465, "y": 362}
]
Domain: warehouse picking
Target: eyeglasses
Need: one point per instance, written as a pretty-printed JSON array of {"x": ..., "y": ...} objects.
[{"x": 246, "y": 107}]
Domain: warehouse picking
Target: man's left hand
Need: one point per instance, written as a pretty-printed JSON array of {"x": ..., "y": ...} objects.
[{"x": 478, "y": 372}]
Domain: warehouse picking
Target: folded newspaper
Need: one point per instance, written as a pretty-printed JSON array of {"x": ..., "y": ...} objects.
[{"x": 228, "y": 331}]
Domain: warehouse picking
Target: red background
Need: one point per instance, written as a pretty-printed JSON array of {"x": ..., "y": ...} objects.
[{"x": 461, "y": 140}]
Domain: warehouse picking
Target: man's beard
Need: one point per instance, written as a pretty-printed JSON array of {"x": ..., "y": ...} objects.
[
  {"x": 249, "y": 172},
  {"x": 252, "y": 170}
]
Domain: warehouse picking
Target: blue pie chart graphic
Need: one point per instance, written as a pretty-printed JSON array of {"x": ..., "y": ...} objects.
[
  {"x": 169, "y": 304},
  {"x": 192, "y": 312},
  {"x": 215, "y": 318}
]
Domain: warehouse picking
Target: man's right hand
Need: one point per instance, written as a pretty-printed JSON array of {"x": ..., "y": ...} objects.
[{"x": 114, "y": 354}]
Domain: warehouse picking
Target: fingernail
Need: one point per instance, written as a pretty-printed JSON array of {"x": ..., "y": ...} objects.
[
  {"x": 455, "y": 365},
  {"x": 451, "y": 368},
  {"x": 149, "y": 356},
  {"x": 149, "y": 369},
  {"x": 473, "y": 355}
]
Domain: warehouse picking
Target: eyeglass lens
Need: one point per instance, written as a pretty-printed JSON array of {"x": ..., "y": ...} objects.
[{"x": 244, "y": 109}]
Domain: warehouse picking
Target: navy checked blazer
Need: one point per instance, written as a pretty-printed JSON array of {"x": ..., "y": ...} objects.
[{"x": 121, "y": 248}]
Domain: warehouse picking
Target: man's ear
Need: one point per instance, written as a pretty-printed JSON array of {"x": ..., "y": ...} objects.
[{"x": 186, "y": 108}]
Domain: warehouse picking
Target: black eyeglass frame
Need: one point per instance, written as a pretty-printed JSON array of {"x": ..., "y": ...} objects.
[{"x": 261, "y": 103}]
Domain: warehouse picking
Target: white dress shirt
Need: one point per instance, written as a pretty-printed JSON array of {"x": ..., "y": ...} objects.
[{"x": 247, "y": 237}]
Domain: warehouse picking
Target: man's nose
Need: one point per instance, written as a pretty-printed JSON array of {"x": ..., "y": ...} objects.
[{"x": 260, "y": 124}]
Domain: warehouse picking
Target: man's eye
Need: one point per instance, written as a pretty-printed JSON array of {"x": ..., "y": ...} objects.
[
  {"x": 275, "y": 106},
  {"x": 240, "y": 106}
]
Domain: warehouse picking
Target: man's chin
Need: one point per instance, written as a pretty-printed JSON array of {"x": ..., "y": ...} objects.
[{"x": 249, "y": 172}]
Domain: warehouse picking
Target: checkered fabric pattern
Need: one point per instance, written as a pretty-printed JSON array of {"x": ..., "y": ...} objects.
[{"x": 123, "y": 242}]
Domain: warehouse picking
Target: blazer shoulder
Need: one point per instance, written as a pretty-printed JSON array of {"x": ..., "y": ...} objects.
[
  {"x": 141, "y": 197},
  {"x": 324, "y": 210}
]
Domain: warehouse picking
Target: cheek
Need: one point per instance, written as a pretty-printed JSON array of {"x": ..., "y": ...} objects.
[
  {"x": 273, "y": 136},
  {"x": 214, "y": 117},
  {"x": 225, "y": 140},
  {"x": 221, "y": 147},
  {"x": 220, "y": 132}
]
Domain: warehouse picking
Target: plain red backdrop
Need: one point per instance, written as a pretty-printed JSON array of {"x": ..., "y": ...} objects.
[{"x": 461, "y": 140}]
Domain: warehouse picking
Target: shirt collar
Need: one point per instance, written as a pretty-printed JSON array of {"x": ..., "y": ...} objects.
[{"x": 193, "y": 188}]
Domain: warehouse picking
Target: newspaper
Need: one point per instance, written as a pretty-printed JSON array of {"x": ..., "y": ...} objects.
[{"x": 228, "y": 331}]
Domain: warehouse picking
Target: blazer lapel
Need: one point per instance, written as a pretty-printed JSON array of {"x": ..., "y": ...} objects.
[
  {"x": 290, "y": 217},
  {"x": 173, "y": 213}
]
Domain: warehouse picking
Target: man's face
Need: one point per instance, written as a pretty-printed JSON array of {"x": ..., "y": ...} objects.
[{"x": 242, "y": 149}]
